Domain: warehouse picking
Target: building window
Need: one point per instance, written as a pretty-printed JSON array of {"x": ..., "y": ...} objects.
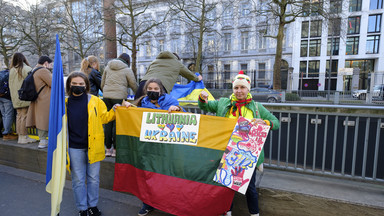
[
  {"x": 227, "y": 42},
  {"x": 304, "y": 48},
  {"x": 317, "y": 7},
  {"x": 335, "y": 67},
  {"x": 227, "y": 76},
  {"x": 261, "y": 70},
  {"x": 376, "y": 4},
  {"x": 335, "y": 6},
  {"x": 245, "y": 9},
  {"x": 148, "y": 48},
  {"x": 313, "y": 68},
  {"x": 244, "y": 68},
  {"x": 334, "y": 27},
  {"x": 316, "y": 28},
  {"x": 335, "y": 48},
  {"x": 304, "y": 29},
  {"x": 175, "y": 45},
  {"x": 372, "y": 45},
  {"x": 211, "y": 44},
  {"x": 352, "y": 46},
  {"x": 244, "y": 41},
  {"x": 354, "y": 5},
  {"x": 262, "y": 40},
  {"x": 161, "y": 45},
  {"x": 354, "y": 25},
  {"x": 314, "y": 47},
  {"x": 374, "y": 23},
  {"x": 303, "y": 68}
]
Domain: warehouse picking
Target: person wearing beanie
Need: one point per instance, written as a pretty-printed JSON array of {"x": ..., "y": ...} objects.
[{"x": 240, "y": 103}]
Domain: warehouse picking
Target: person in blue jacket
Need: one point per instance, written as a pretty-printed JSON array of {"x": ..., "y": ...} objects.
[{"x": 154, "y": 98}]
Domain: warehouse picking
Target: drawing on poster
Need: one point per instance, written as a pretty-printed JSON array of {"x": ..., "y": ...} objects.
[{"x": 240, "y": 157}]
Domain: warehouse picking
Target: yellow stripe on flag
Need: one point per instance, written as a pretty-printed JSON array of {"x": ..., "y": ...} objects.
[{"x": 214, "y": 132}]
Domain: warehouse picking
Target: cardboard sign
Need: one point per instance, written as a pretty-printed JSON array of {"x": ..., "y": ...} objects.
[
  {"x": 240, "y": 157},
  {"x": 174, "y": 128}
]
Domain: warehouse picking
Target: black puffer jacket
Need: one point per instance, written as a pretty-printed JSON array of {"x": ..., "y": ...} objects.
[{"x": 94, "y": 82}]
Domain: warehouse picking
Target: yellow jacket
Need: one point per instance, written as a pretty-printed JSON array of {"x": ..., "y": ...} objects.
[{"x": 98, "y": 115}]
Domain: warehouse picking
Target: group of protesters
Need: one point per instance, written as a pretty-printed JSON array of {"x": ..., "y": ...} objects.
[{"x": 91, "y": 125}]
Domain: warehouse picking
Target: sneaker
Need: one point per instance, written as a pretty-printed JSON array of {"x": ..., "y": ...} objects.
[
  {"x": 94, "y": 211},
  {"x": 24, "y": 139},
  {"x": 255, "y": 214},
  {"x": 229, "y": 213},
  {"x": 145, "y": 210},
  {"x": 108, "y": 152},
  {"x": 83, "y": 213},
  {"x": 43, "y": 144},
  {"x": 9, "y": 137},
  {"x": 114, "y": 153}
]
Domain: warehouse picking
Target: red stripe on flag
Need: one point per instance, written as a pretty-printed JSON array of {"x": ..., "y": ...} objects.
[{"x": 173, "y": 195}]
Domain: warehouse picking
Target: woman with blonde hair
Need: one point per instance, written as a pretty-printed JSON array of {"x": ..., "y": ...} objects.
[
  {"x": 19, "y": 70},
  {"x": 91, "y": 67}
]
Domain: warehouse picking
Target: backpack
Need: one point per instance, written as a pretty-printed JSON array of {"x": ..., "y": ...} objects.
[
  {"x": 4, "y": 86},
  {"x": 28, "y": 92}
]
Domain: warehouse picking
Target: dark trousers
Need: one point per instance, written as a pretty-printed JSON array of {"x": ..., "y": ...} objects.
[
  {"x": 110, "y": 128},
  {"x": 252, "y": 196}
]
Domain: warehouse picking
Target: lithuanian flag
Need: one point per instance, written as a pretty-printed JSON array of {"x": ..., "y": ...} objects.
[{"x": 174, "y": 178}]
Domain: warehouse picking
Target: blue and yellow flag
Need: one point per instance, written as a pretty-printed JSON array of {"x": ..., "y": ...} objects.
[
  {"x": 57, "y": 136},
  {"x": 189, "y": 92}
]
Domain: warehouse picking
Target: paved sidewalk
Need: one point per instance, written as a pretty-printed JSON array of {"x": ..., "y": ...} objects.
[{"x": 23, "y": 194}]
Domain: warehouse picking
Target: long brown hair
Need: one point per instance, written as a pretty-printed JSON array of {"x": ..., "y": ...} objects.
[
  {"x": 86, "y": 64},
  {"x": 73, "y": 75},
  {"x": 137, "y": 102},
  {"x": 18, "y": 61}
]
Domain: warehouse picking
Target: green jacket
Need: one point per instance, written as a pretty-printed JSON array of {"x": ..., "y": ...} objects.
[
  {"x": 223, "y": 105},
  {"x": 167, "y": 68}
]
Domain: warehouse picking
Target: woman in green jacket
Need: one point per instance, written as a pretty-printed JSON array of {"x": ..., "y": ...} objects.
[
  {"x": 240, "y": 103},
  {"x": 86, "y": 115}
]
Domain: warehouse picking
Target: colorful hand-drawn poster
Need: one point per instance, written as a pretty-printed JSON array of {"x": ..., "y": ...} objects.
[
  {"x": 174, "y": 128},
  {"x": 240, "y": 157}
]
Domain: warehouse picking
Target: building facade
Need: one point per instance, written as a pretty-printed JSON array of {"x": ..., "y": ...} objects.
[{"x": 239, "y": 40}]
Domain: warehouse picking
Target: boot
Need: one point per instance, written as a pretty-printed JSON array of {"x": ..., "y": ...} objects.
[{"x": 9, "y": 137}]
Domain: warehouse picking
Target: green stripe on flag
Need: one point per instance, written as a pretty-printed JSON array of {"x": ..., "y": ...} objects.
[{"x": 182, "y": 161}]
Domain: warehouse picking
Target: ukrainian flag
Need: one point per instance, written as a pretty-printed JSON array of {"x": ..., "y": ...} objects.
[
  {"x": 189, "y": 92},
  {"x": 57, "y": 136}
]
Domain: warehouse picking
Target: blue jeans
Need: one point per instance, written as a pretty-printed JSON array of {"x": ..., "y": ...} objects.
[
  {"x": 86, "y": 195},
  {"x": 7, "y": 113}
]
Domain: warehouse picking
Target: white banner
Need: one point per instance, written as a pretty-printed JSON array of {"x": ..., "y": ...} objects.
[{"x": 174, "y": 128}]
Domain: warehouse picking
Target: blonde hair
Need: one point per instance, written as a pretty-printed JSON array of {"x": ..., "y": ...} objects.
[{"x": 86, "y": 64}]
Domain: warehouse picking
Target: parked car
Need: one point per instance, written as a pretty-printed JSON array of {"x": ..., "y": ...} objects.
[
  {"x": 361, "y": 94},
  {"x": 264, "y": 94}
]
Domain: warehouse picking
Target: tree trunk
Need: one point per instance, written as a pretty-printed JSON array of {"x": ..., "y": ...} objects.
[
  {"x": 110, "y": 30},
  {"x": 278, "y": 56},
  {"x": 134, "y": 52},
  {"x": 200, "y": 42}
]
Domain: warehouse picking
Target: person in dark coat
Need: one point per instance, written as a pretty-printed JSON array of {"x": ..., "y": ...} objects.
[{"x": 91, "y": 67}]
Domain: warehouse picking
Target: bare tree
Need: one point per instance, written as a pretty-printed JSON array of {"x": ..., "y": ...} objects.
[
  {"x": 10, "y": 39},
  {"x": 282, "y": 13},
  {"x": 37, "y": 24},
  {"x": 83, "y": 27},
  {"x": 134, "y": 21},
  {"x": 199, "y": 17}
]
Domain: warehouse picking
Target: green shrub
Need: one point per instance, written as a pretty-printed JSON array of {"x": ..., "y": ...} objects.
[{"x": 292, "y": 97}]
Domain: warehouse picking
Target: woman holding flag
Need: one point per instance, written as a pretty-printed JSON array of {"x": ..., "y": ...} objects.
[
  {"x": 86, "y": 115},
  {"x": 240, "y": 103},
  {"x": 154, "y": 98}
]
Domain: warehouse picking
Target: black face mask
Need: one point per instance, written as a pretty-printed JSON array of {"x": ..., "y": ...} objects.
[
  {"x": 78, "y": 89},
  {"x": 153, "y": 95}
]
